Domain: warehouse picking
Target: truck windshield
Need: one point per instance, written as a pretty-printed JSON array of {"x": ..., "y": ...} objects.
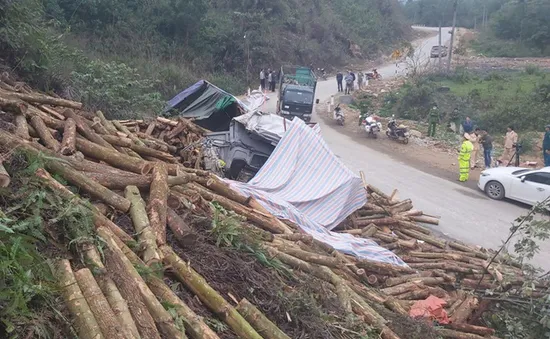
[{"x": 298, "y": 97}]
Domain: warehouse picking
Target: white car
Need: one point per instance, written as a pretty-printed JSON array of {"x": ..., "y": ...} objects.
[{"x": 522, "y": 184}]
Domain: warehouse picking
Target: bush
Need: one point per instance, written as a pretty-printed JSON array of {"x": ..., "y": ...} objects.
[
  {"x": 117, "y": 89},
  {"x": 533, "y": 70}
]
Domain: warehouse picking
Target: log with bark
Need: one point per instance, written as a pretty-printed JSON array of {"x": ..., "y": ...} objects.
[
  {"x": 68, "y": 144},
  {"x": 182, "y": 231},
  {"x": 208, "y": 296},
  {"x": 21, "y": 127},
  {"x": 464, "y": 310},
  {"x": 85, "y": 323},
  {"x": 141, "y": 150},
  {"x": 13, "y": 105},
  {"x": 157, "y": 203},
  {"x": 43, "y": 99},
  {"x": 84, "y": 128},
  {"x": 45, "y": 135},
  {"x": 145, "y": 233},
  {"x": 111, "y": 292},
  {"x": 99, "y": 305},
  {"x": 129, "y": 281},
  {"x": 126, "y": 131},
  {"x": 259, "y": 321}
]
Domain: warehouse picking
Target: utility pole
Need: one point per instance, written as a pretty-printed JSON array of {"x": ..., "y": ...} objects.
[
  {"x": 455, "y": 5},
  {"x": 440, "y": 47}
]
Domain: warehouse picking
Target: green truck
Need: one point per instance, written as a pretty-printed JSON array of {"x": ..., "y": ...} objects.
[{"x": 297, "y": 86}]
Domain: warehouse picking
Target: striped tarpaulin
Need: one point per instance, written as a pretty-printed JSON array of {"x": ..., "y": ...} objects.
[{"x": 303, "y": 181}]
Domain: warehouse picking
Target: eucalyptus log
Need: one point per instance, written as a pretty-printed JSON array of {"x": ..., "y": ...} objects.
[
  {"x": 265, "y": 223},
  {"x": 393, "y": 304},
  {"x": 452, "y": 334},
  {"x": 259, "y": 321},
  {"x": 157, "y": 204},
  {"x": 111, "y": 292},
  {"x": 83, "y": 127},
  {"x": 112, "y": 157},
  {"x": 425, "y": 219},
  {"x": 85, "y": 323},
  {"x": 145, "y": 233},
  {"x": 420, "y": 236},
  {"x": 218, "y": 186},
  {"x": 383, "y": 268},
  {"x": 47, "y": 100},
  {"x": 48, "y": 120},
  {"x": 479, "y": 330},
  {"x": 141, "y": 150},
  {"x": 402, "y": 288},
  {"x": 91, "y": 187},
  {"x": 129, "y": 281},
  {"x": 99, "y": 305},
  {"x": 106, "y": 123},
  {"x": 99, "y": 219},
  {"x": 182, "y": 232},
  {"x": 126, "y": 131},
  {"x": 68, "y": 144},
  {"x": 309, "y": 257},
  {"x": 21, "y": 127},
  {"x": 15, "y": 106},
  {"x": 44, "y": 134},
  {"x": 208, "y": 296},
  {"x": 51, "y": 111},
  {"x": 464, "y": 310}
]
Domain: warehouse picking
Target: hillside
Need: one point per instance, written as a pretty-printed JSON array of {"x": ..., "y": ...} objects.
[{"x": 134, "y": 54}]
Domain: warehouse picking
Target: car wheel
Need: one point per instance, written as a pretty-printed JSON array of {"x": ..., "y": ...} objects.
[{"x": 494, "y": 190}]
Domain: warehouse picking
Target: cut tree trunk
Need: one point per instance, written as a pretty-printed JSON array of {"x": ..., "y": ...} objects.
[
  {"x": 99, "y": 305},
  {"x": 44, "y": 133},
  {"x": 479, "y": 330},
  {"x": 113, "y": 158},
  {"x": 68, "y": 144},
  {"x": 141, "y": 150},
  {"x": 259, "y": 321},
  {"x": 4, "y": 176},
  {"x": 420, "y": 236},
  {"x": 208, "y": 296},
  {"x": 425, "y": 219},
  {"x": 13, "y": 105},
  {"x": 383, "y": 268},
  {"x": 126, "y": 131},
  {"x": 21, "y": 127},
  {"x": 83, "y": 127},
  {"x": 46, "y": 100},
  {"x": 128, "y": 278},
  {"x": 446, "y": 333},
  {"x": 463, "y": 312},
  {"x": 146, "y": 235},
  {"x": 106, "y": 123},
  {"x": 86, "y": 184},
  {"x": 99, "y": 219},
  {"x": 182, "y": 232},
  {"x": 402, "y": 288},
  {"x": 111, "y": 292},
  {"x": 157, "y": 204},
  {"x": 215, "y": 184},
  {"x": 85, "y": 323}
]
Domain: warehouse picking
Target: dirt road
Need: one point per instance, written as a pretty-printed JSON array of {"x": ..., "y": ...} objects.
[{"x": 466, "y": 214}]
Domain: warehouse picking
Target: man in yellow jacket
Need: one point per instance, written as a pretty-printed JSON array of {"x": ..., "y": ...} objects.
[{"x": 464, "y": 158}]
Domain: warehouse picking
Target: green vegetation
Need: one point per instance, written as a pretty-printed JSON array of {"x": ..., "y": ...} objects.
[
  {"x": 511, "y": 28},
  {"x": 124, "y": 56},
  {"x": 493, "y": 100},
  {"x": 33, "y": 218}
]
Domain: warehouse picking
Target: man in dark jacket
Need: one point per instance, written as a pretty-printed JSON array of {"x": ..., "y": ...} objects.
[
  {"x": 468, "y": 125},
  {"x": 339, "y": 79},
  {"x": 546, "y": 146},
  {"x": 487, "y": 142}
]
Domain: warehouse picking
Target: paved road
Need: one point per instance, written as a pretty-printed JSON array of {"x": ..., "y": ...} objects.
[{"x": 466, "y": 214}]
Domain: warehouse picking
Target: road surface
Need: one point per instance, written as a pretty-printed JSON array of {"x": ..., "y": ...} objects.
[{"x": 466, "y": 214}]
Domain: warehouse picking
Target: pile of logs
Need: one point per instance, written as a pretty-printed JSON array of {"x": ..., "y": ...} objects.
[{"x": 141, "y": 169}]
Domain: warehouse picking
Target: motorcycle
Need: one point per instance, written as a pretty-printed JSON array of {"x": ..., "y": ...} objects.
[
  {"x": 372, "y": 126},
  {"x": 374, "y": 75},
  {"x": 323, "y": 73},
  {"x": 400, "y": 133},
  {"x": 338, "y": 115}
]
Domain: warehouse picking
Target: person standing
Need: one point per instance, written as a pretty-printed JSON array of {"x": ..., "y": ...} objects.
[
  {"x": 353, "y": 80},
  {"x": 349, "y": 83},
  {"x": 455, "y": 119},
  {"x": 359, "y": 80},
  {"x": 433, "y": 120},
  {"x": 468, "y": 125},
  {"x": 510, "y": 141},
  {"x": 487, "y": 142},
  {"x": 269, "y": 79},
  {"x": 339, "y": 79},
  {"x": 464, "y": 158},
  {"x": 262, "y": 79},
  {"x": 546, "y": 146},
  {"x": 474, "y": 139}
]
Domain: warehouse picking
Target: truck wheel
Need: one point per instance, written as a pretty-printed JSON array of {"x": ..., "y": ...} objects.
[{"x": 406, "y": 141}]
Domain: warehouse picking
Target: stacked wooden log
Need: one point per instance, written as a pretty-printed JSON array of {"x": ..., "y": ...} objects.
[{"x": 138, "y": 168}]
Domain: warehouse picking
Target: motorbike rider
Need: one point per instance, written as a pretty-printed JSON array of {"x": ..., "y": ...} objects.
[{"x": 375, "y": 74}]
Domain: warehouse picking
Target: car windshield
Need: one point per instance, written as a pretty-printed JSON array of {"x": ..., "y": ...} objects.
[
  {"x": 520, "y": 171},
  {"x": 298, "y": 97}
]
